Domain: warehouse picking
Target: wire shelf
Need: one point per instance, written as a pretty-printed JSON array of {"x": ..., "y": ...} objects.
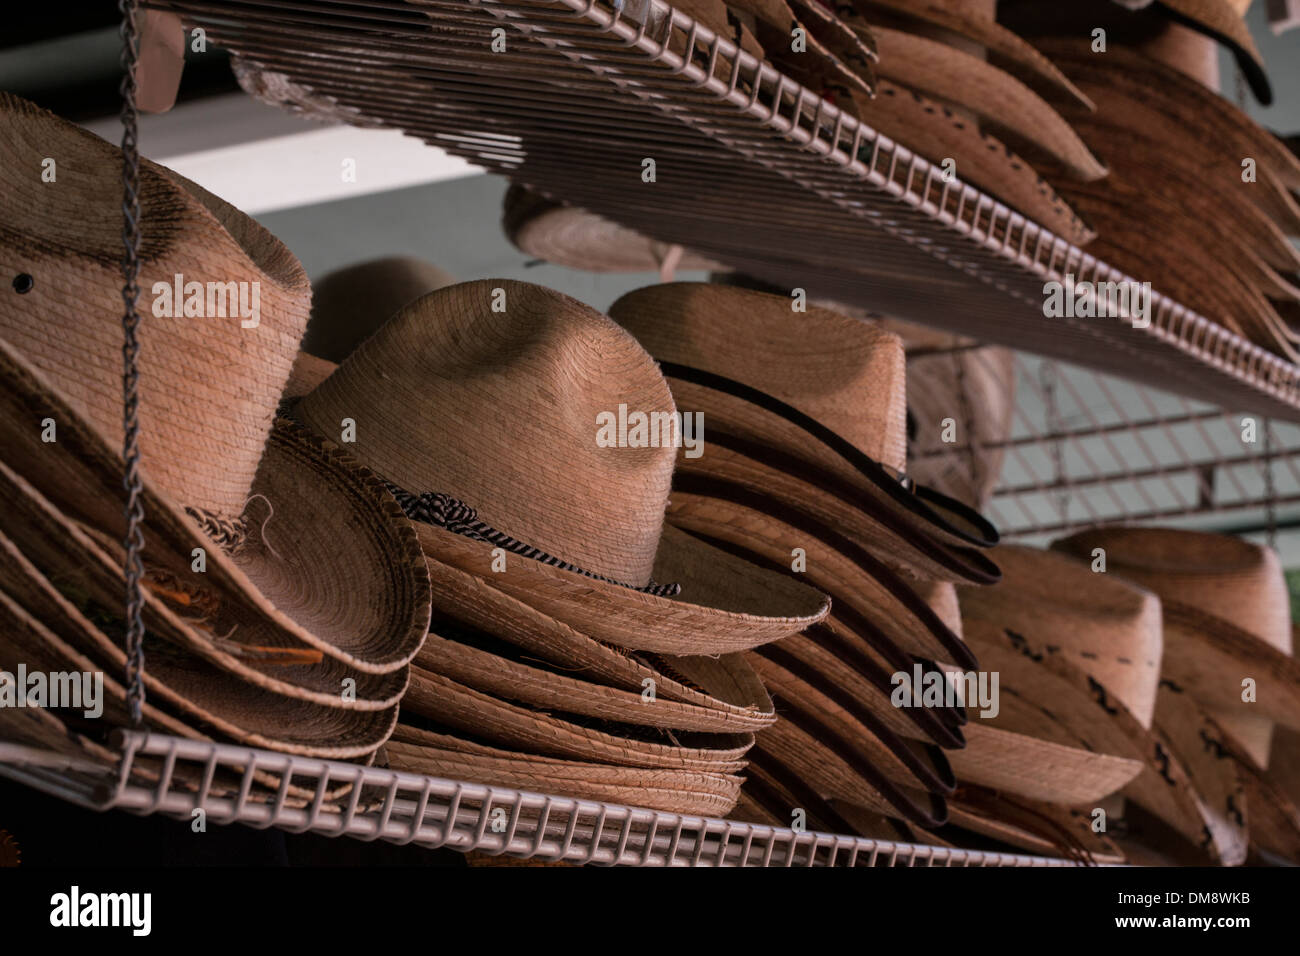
[
  {"x": 175, "y": 776},
  {"x": 752, "y": 170},
  {"x": 1085, "y": 448}
]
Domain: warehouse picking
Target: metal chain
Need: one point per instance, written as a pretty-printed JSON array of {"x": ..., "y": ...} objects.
[{"x": 134, "y": 540}]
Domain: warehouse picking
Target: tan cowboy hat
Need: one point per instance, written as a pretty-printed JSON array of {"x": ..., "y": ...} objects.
[
  {"x": 482, "y": 405},
  {"x": 496, "y": 672},
  {"x": 573, "y": 237},
  {"x": 1105, "y": 626},
  {"x": 328, "y": 565},
  {"x": 1226, "y": 619},
  {"x": 348, "y": 304},
  {"x": 811, "y": 414}
]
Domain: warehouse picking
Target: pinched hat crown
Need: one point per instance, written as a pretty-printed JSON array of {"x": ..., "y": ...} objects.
[
  {"x": 844, "y": 373},
  {"x": 530, "y": 407},
  {"x": 210, "y": 376}
]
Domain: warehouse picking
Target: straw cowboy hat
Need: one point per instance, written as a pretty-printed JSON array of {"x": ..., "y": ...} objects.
[
  {"x": 573, "y": 237},
  {"x": 514, "y": 679},
  {"x": 488, "y": 641},
  {"x": 312, "y": 574},
  {"x": 485, "y": 420},
  {"x": 1226, "y": 619},
  {"x": 1183, "y": 783},
  {"x": 810, "y": 414},
  {"x": 57, "y": 575}
]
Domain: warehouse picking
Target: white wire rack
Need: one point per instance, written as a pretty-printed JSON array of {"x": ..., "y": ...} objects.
[
  {"x": 1087, "y": 448},
  {"x": 753, "y": 170},
  {"x": 175, "y": 776}
]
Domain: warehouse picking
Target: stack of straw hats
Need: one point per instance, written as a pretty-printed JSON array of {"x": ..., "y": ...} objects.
[
  {"x": 803, "y": 471},
  {"x": 955, "y": 84},
  {"x": 578, "y": 645},
  {"x": 284, "y": 590},
  {"x": 1200, "y": 200},
  {"x": 1227, "y": 668}
]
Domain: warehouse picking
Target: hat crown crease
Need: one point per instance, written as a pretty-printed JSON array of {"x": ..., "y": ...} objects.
[
  {"x": 500, "y": 410},
  {"x": 843, "y": 373}
]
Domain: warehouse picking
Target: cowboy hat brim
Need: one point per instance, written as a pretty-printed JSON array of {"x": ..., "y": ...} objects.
[
  {"x": 467, "y": 711},
  {"x": 263, "y": 659},
  {"x": 832, "y": 766},
  {"x": 725, "y": 605},
  {"x": 1220, "y": 22},
  {"x": 1210, "y": 658},
  {"x": 1212, "y": 764},
  {"x": 997, "y": 98},
  {"x": 346, "y": 568},
  {"x": 46, "y": 631},
  {"x": 1005, "y": 46},
  {"x": 735, "y": 696},
  {"x": 1030, "y": 766},
  {"x": 671, "y": 791},
  {"x": 893, "y": 616}
]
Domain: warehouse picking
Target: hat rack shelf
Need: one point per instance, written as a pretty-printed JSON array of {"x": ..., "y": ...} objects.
[
  {"x": 752, "y": 170},
  {"x": 175, "y": 776},
  {"x": 1087, "y": 449}
]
